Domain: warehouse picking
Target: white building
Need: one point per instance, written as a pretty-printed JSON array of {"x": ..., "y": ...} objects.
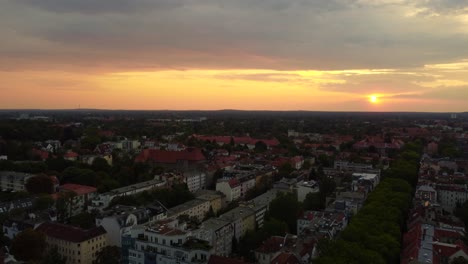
[
  {"x": 103, "y": 200},
  {"x": 121, "y": 219},
  {"x": 13, "y": 181},
  {"x": 195, "y": 180},
  {"x": 304, "y": 188},
  {"x": 450, "y": 195},
  {"x": 219, "y": 235},
  {"x": 369, "y": 179},
  {"x": 231, "y": 188},
  {"x": 129, "y": 145},
  {"x": 165, "y": 243}
]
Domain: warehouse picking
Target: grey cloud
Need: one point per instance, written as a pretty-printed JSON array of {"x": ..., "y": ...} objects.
[
  {"x": 99, "y": 6},
  {"x": 448, "y": 93},
  {"x": 444, "y": 6},
  {"x": 275, "y": 34}
]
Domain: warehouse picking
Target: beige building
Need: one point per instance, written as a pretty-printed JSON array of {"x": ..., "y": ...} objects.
[
  {"x": 216, "y": 199},
  {"x": 76, "y": 244},
  {"x": 193, "y": 208}
]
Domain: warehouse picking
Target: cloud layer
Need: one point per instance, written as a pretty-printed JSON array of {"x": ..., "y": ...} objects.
[
  {"x": 278, "y": 34},
  {"x": 398, "y": 48}
]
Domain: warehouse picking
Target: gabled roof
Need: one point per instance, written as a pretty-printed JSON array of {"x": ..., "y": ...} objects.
[
  {"x": 71, "y": 154},
  {"x": 70, "y": 233},
  {"x": 78, "y": 189},
  {"x": 286, "y": 258},
  {"x": 224, "y": 260},
  {"x": 170, "y": 157}
]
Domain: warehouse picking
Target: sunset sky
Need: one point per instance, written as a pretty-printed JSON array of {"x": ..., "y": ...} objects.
[{"x": 324, "y": 55}]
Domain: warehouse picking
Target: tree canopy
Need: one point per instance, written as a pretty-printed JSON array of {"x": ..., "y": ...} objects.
[{"x": 28, "y": 245}]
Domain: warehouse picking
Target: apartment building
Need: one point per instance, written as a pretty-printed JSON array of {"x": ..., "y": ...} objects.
[{"x": 76, "y": 244}]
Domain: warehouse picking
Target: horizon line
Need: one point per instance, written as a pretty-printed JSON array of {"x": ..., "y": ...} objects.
[{"x": 218, "y": 110}]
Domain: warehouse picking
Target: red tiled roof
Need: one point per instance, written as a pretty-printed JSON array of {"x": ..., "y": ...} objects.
[
  {"x": 224, "y": 260},
  {"x": 233, "y": 182},
  {"x": 78, "y": 189},
  {"x": 446, "y": 250},
  {"x": 170, "y": 157},
  {"x": 70, "y": 233},
  {"x": 238, "y": 140},
  {"x": 271, "y": 245},
  {"x": 106, "y": 133},
  {"x": 440, "y": 234},
  {"x": 410, "y": 245},
  {"x": 285, "y": 258},
  {"x": 71, "y": 154},
  {"x": 41, "y": 153}
]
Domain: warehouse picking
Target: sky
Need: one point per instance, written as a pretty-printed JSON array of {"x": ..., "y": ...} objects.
[{"x": 318, "y": 55}]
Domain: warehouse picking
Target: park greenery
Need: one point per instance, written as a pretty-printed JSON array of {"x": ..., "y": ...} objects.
[{"x": 375, "y": 232}]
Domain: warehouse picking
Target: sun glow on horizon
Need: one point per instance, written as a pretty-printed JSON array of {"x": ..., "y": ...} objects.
[{"x": 374, "y": 99}]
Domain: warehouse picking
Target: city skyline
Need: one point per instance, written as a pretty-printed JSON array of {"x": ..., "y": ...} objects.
[{"x": 340, "y": 55}]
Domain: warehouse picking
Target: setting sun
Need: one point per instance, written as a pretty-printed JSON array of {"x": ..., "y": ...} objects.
[{"x": 373, "y": 99}]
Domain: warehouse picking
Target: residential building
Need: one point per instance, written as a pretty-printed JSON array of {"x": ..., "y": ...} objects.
[
  {"x": 367, "y": 180},
  {"x": 83, "y": 196},
  {"x": 186, "y": 159},
  {"x": 351, "y": 166},
  {"x": 243, "y": 219},
  {"x": 218, "y": 233},
  {"x": 103, "y": 200},
  {"x": 214, "y": 259},
  {"x": 426, "y": 193},
  {"x": 129, "y": 145},
  {"x": 165, "y": 243},
  {"x": 71, "y": 156},
  {"x": 231, "y": 188},
  {"x": 13, "y": 181},
  {"x": 75, "y": 244},
  {"x": 259, "y": 210},
  {"x": 451, "y": 194},
  {"x": 195, "y": 180},
  {"x": 216, "y": 199},
  {"x": 325, "y": 222},
  {"x": 306, "y": 187},
  {"x": 195, "y": 208},
  {"x": 287, "y": 249},
  {"x": 120, "y": 219},
  {"x": 26, "y": 203}
]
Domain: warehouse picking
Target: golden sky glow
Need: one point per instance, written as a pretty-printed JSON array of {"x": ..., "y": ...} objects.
[{"x": 225, "y": 54}]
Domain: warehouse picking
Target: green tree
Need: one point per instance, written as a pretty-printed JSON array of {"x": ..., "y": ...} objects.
[
  {"x": 28, "y": 245},
  {"x": 459, "y": 260},
  {"x": 43, "y": 202},
  {"x": 64, "y": 205},
  {"x": 100, "y": 164},
  {"x": 260, "y": 147},
  {"x": 108, "y": 255},
  {"x": 79, "y": 176},
  {"x": 285, "y": 170},
  {"x": 274, "y": 227},
  {"x": 40, "y": 184},
  {"x": 53, "y": 257},
  {"x": 90, "y": 142},
  {"x": 83, "y": 220},
  {"x": 313, "y": 202},
  {"x": 286, "y": 208}
]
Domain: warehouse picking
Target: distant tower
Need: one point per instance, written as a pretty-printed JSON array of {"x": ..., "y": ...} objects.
[{"x": 453, "y": 116}]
